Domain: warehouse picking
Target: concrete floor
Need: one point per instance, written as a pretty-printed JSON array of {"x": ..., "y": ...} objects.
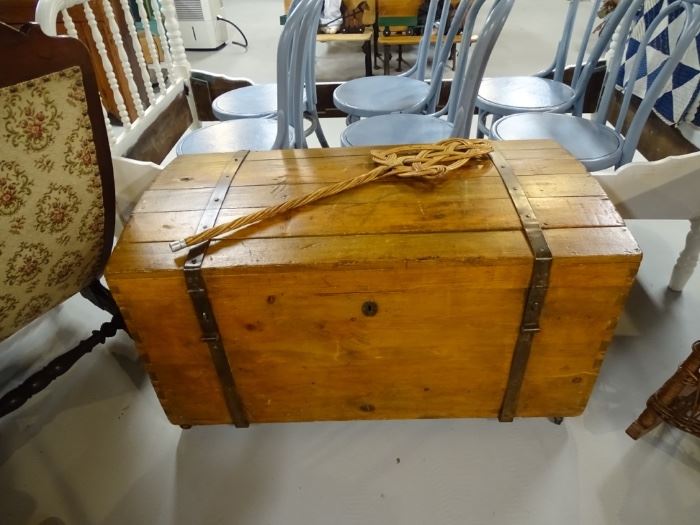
[
  {"x": 96, "y": 448},
  {"x": 526, "y": 45}
]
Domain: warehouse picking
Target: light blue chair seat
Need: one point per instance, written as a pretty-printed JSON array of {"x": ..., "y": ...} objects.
[
  {"x": 596, "y": 146},
  {"x": 255, "y": 101},
  {"x": 506, "y": 95},
  {"x": 258, "y": 101},
  {"x": 232, "y": 135},
  {"x": 399, "y": 128},
  {"x": 370, "y": 96}
]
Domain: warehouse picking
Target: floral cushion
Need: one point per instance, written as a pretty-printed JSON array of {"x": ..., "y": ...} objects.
[{"x": 51, "y": 211}]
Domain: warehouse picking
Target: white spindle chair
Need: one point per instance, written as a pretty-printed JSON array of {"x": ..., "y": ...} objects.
[{"x": 172, "y": 78}]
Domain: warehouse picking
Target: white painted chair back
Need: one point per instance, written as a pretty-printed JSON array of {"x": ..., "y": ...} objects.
[
  {"x": 665, "y": 189},
  {"x": 172, "y": 74}
]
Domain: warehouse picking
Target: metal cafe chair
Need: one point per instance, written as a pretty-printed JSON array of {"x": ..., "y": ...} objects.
[
  {"x": 405, "y": 93},
  {"x": 260, "y": 100},
  {"x": 545, "y": 91},
  {"x": 592, "y": 141},
  {"x": 402, "y": 128},
  {"x": 287, "y": 129}
]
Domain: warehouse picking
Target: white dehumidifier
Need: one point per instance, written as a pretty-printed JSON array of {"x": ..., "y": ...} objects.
[{"x": 199, "y": 25}]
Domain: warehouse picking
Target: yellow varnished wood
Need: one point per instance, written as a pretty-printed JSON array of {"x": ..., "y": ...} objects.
[
  {"x": 447, "y": 266},
  {"x": 411, "y": 40},
  {"x": 345, "y": 37},
  {"x": 451, "y": 190}
]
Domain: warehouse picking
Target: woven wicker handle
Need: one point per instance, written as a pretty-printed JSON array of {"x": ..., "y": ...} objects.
[{"x": 428, "y": 162}]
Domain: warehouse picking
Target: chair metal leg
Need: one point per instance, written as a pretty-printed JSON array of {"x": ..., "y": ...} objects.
[
  {"x": 481, "y": 124},
  {"x": 375, "y": 39},
  {"x": 387, "y": 57},
  {"x": 688, "y": 259},
  {"x": 315, "y": 127},
  {"x": 485, "y": 126},
  {"x": 367, "y": 48},
  {"x": 320, "y": 135},
  {"x": 482, "y": 128}
]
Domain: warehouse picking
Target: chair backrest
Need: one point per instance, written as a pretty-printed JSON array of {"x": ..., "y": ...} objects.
[
  {"x": 685, "y": 14},
  {"x": 56, "y": 185},
  {"x": 473, "y": 58},
  {"x": 417, "y": 71},
  {"x": 556, "y": 69},
  {"x": 459, "y": 23},
  {"x": 295, "y": 71},
  {"x": 124, "y": 60},
  {"x": 589, "y": 54},
  {"x": 310, "y": 31}
]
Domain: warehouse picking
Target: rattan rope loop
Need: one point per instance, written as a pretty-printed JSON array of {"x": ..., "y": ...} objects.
[{"x": 430, "y": 162}]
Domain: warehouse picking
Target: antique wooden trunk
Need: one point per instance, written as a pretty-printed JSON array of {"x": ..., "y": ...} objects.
[{"x": 394, "y": 300}]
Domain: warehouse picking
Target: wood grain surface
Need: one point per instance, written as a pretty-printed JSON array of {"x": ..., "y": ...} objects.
[{"x": 447, "y": 266}]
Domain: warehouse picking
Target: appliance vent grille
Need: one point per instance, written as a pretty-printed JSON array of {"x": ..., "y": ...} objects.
[{"x": 189, "y": 10}]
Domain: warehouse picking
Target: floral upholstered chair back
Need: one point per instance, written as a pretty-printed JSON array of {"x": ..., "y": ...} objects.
[{"x": 52, "y": 199}]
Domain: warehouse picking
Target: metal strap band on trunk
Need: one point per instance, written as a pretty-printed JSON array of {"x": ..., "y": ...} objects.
[
  {"x": 200, "y": 299},
  {"x": 537, "y": 291}
]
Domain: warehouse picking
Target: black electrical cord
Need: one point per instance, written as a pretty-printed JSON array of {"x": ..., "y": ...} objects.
[{"x": 245, "y": 40}]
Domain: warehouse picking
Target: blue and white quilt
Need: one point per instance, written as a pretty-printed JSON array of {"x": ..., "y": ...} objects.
[{"x": 679, "y": 98}]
